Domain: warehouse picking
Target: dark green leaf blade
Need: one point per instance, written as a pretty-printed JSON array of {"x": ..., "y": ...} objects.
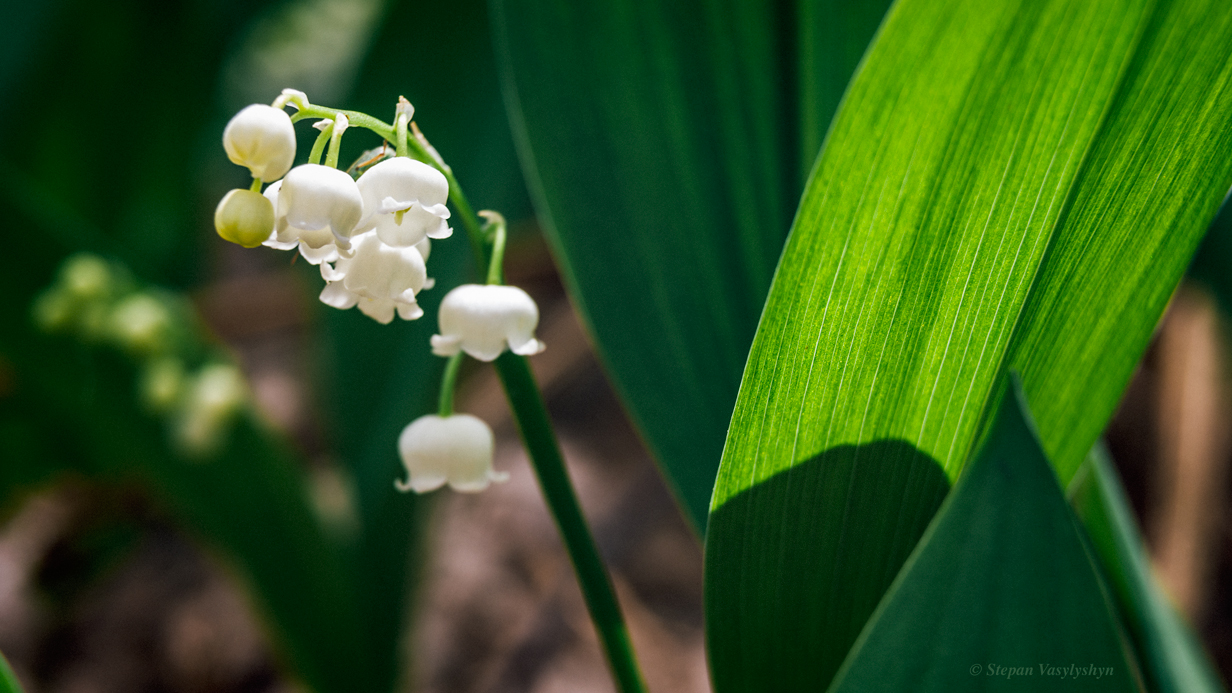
[
  {"x": 664, "y": 144},
  {"x": 1172, "y": 657},
  {"x": 1000, "y": 594}
]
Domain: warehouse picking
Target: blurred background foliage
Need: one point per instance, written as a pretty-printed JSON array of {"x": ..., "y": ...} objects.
[{"x": 117, "y": 152}]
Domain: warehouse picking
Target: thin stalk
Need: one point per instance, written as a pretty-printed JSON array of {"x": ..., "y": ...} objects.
[
  {"x": 448, "y": 385},
  {"x": 496, "y": 265},
  {"x": 537, "y": 435},
  {"x": 341, "y": 122},
  {"x": 400, "y": 135},
  {"x": 318, "y": 147},
  {"x": 256, "y": 184}
]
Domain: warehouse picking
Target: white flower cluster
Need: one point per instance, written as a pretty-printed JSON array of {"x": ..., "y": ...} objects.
[{"x": 371, "y": 238}]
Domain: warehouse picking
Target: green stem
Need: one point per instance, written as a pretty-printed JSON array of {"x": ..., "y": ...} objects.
[
  {"x": 318, "y": 147},
  {"x": 400, "y": 135},
  {"x": 256, "y": 184},
  {"x": 496, "y": 265},
  {"x": 448, "y": 385},
  {"x": 536, "y": 428},
  {"x": 335, "y": 141}
]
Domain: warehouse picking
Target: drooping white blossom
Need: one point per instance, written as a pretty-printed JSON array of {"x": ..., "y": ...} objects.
[
  {"x": 404, "y": 200},
  {"x": 318, "y": 206},
  {"x": 326, "y": 253},
  {"x": 455, "y": 450},
  {"x": 485, "y": 320},
  {"x": 263, "y": 139},
  {"x": 379, "y": 278}
]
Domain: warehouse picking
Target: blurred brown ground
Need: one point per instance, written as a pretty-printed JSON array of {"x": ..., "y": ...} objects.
[{"x": 499, "y": 609}]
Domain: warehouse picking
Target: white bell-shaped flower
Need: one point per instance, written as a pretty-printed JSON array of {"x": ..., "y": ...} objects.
[
  {"x": 328, "y": 252},
  {"x": 425, "y": 249},
  {"x": 379, "y": 278},
  {"x": 318, "y": 206},
  {"x": 404, "y": 200},
  {"x": 485, "y": 320},
  {"x": 263, "y": 139},
  {"x": 455, "y": 450}
]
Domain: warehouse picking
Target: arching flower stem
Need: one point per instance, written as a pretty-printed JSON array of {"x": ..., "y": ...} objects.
[
  {"x": 530, "y": 413},
  {"x": 256, "y": 185},
  {"x": 449, "y": 384}
]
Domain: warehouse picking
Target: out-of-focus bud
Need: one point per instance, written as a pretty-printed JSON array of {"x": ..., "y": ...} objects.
[
  {"x": 140, "y": 323},
  {"x": 86, "y": 277},
  {"x": 162, "y": 383},
  {"x": 214, "y": 397},
  {"x": 263, "y": 139},
  {"x": 244, "y": 217}
]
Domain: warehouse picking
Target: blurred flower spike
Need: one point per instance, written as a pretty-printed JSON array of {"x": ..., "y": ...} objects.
[
  {"x": 455, "y": 450},
  {"x": 98, "y": 302}
]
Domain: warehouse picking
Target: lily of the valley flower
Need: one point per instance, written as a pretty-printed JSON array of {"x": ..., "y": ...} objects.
[
  {"x": 318, "y": 206},
  {"x": 379, "y": 278},
  {"x": 263, "y": 139},
  {"x": 244, "y": 217},
  {"x": 455, "y": 450},
  {"x": 404, "y": 200},
  {"x": 485, "y": 320},
  {"x": 325, "y": 253}
]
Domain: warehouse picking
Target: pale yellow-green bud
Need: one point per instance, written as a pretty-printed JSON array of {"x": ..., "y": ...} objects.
[
  {"x": 53, "y": 309},
  {"x": 140, "y": 323},
  {"x": 86, "y": 276},
  {"x": 245, "y": 217},
  {"x": 162, "y": 383}
]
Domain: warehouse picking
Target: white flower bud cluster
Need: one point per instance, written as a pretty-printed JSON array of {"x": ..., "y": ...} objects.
[{"x": 99, "y": 302}]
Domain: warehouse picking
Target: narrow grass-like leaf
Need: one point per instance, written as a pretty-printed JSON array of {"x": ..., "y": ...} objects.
[
  {"x": 1000, "y": 594},
  {"x": 8, "y": 680},
  {"x": 664, "y": 144},
  {"x": 1006, "y": 183},
  {"x": 1172, "y": 657}
]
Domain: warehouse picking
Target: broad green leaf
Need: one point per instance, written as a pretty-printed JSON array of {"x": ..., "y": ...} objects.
[
  {"x": 8, "y": 681},
  {"x": 1172, "y": 657},
  {"x": 664, "y": 144},
  {"x": 1000, "y": 594},
  {"x": 1006, "y": 182}
]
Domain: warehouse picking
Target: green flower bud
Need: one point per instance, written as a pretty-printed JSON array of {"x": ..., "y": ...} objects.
[{"x": 244, "y": 217}]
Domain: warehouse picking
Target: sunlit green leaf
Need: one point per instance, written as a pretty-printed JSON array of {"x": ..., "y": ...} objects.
[
  {"x": 1006, "y": 183},
  {"x": 1000, "y": 588},
  {"x": 665, "y": 144},
  {"x": 8, "y": 681},
  {"x": 1171, "y": 655}
]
